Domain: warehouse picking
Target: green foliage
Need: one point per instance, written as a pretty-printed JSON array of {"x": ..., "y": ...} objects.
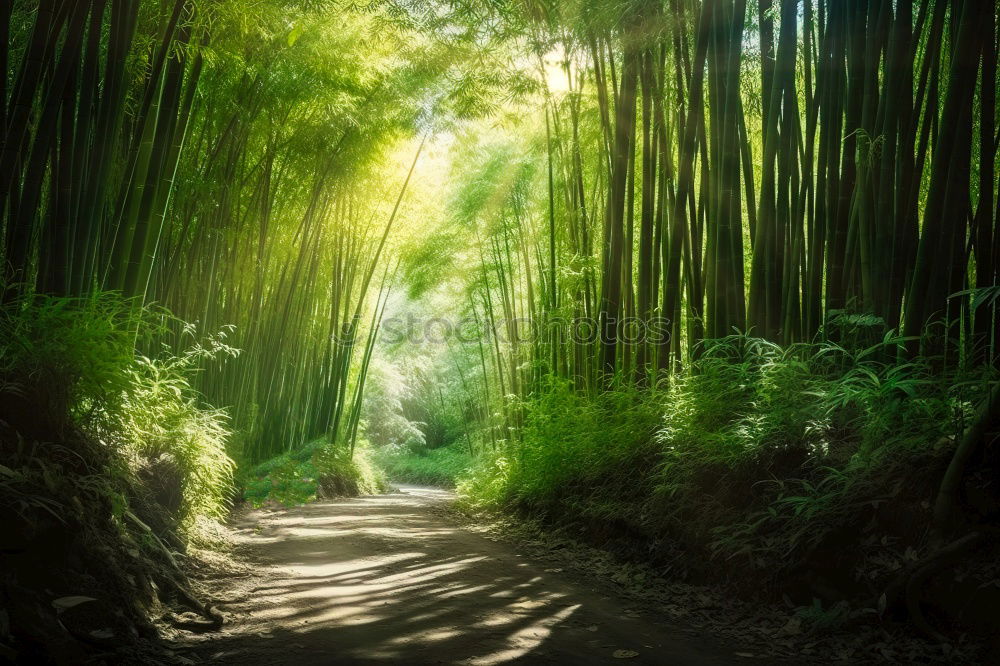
[
  {"x": 572, "y": 446},
  {"x": 290, "y": 478},
  {"x": 385, "y": 424},
  {"x": 442, "y": 466},
  {"x": 757, "y": 457},
  {"x": 313, "y": 471},
  {"x": 160, "y": 418},
  {"x": 792, "y": 443},
  {"x": 111, "y": 463},
  {"x": 345, "y": 472},
  {"x": 818, "y": 619},
  {"x": 74, "y": 360},
  {"x": 79, "y": 347}
]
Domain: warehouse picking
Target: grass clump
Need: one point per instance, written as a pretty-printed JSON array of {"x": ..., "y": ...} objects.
[
  {"x": 346, "y": 473},
  {"x": 69, "y": 365},
  {"x": 442, "y": 466},
  {"x": 577, "y": 455},
  {"x": 176, "y": 445},
  {"x": 316, "y": 470},
  {"x": 290, "y": 478}
]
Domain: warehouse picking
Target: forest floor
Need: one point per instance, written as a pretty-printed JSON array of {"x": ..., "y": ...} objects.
[
  {"x": 402, "y": 579},
  {"x": 406, "y": 578}
]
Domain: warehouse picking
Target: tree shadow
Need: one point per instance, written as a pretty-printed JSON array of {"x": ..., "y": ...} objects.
[{"x": 387, "y": 579}]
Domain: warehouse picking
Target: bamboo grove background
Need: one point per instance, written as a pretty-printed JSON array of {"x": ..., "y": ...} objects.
[
  {"x": 776, "y": 167},
  {"x": 787, "y": 169},
  {"x": 218, "y": 159}
]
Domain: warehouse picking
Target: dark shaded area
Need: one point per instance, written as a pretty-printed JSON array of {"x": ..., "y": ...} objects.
[
  {"x": 858, "y": 571},
  {"x": 85, "y": 548}
]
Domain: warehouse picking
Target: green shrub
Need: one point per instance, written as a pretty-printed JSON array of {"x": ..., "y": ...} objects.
[
  {"x": 346, "y": 473},
  {"x": 575, "y": 448},
  {"x": 767, "y": 452},
  {"x": 316, "y": 470},
  {"x": 754, "y": 459},
  {"x": 74, "y": 361},
  {"x": 290, "y": 478},
  {"x": 437, "y": 467}
]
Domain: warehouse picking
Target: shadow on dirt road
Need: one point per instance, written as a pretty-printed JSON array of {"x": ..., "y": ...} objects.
[{"x": 393, "y": 579}]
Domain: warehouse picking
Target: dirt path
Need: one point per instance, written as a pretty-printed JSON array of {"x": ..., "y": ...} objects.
[{"x": 393, "y": 579}]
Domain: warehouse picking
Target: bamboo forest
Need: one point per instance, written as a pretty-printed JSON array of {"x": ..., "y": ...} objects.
[{"x": 499, "y": 331}]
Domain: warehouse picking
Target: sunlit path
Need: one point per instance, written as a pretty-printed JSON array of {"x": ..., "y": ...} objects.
[{"x": 391, "y": 579}]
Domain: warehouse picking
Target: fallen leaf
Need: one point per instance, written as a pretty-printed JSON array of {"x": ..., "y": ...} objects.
[
  {"x": 624, "y": 654},
  {"x": 65, "y": 603},
  {"x": 792, "y": 628}
]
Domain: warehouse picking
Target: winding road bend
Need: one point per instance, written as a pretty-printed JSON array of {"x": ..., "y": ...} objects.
[{"x": 394, "y": 579}]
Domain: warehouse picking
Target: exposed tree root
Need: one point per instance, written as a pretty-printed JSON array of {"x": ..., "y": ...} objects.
[
  {"x": 927, "y": 568},
  {"x": 170, "y": 582},
  {"x": 946, "y": 503},
  {"x": 946, "y": 509}
]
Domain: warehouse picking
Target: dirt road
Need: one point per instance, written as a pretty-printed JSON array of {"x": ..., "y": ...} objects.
[{"x": 394, "y": 579}]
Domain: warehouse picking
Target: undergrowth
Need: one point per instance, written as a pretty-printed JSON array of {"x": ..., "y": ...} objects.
[
  {"x": 442, "y": 466},
  {"x": 72, "y": 363},
  {"x": 112, "y": 466},
  {"x": 799, "y": 467},
  {"x": 316, "y": 470}
]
